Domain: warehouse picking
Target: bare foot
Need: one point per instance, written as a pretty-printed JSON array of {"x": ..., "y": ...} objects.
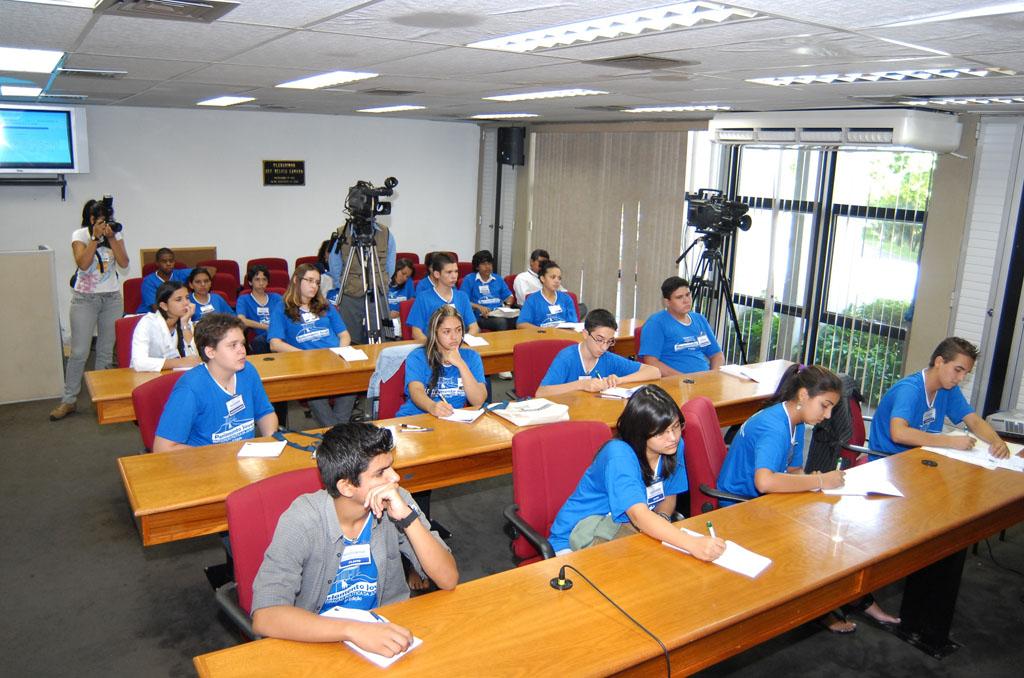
[{"x": 875, "y": 611}]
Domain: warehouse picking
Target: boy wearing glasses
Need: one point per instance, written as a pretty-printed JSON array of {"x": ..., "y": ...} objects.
[
  {"x": 340, "y": 548},
  {"x": 591, "y": 366}
]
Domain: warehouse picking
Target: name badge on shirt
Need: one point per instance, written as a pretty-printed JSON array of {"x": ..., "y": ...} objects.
[
  {"x": 308, "y": 317},
  {"x": 554, "y": 308},
  {"x": 235, "y": 405},
  {"x": 929, "y": 417},
  {"x": 206, "y": 308},
  {"x": 655, "y": 493},
  {"x": 263, "y": 311},
  {"x": 355, "y": 555},
  {"x": 585, "y": 377},
  {"x": 484, "y": 289},
  {"x": 702, "y": 340}
]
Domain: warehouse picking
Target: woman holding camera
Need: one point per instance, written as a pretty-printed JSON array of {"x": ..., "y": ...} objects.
[{"x": 96, "y": 301}]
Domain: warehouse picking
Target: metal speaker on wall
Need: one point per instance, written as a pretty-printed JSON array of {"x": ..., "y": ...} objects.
[{"x": 511, "y": 143}]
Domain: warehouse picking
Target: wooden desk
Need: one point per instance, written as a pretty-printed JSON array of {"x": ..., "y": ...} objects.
[
  {"x": 704, "y": 614},
  {"x": 178, "y": 495},
  {"x": 319, "y": 373}
]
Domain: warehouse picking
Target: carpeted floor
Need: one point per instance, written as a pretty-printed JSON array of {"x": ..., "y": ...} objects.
[{"x": 82, "y": 597}]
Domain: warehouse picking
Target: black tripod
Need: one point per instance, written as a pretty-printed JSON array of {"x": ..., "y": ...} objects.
[
  {"x": 363, "y": 254},
  {"x": 709, "y": 277}
]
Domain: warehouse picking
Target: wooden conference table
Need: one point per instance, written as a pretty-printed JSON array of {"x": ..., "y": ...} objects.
[
  {"x": 178, "y": 495},
  {"x": 318, "y": 373},
  {"x": 703, "y": 613}
]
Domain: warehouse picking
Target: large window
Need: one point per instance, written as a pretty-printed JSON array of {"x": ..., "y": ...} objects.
[{"x": 831, "y": 257}]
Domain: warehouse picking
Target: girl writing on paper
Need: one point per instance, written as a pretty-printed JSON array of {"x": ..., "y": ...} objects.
[{"x": 631, "y": 485}]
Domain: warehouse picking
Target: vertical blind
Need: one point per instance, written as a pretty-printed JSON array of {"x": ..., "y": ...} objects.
[{"x": 609, "y": 208}]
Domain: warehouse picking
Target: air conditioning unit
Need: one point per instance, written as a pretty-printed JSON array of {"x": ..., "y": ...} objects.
[
  {"x": 923, "y": 130},
  {"x": 181, "y": 10}
]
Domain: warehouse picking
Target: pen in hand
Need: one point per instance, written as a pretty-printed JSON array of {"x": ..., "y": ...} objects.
[{"x": 711, "y": 530}]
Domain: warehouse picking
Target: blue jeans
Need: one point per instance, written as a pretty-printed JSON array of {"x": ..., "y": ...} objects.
[{"x": 95, "y": 312}]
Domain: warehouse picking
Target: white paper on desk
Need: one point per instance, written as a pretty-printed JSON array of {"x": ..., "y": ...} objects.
[
  {"x": 623, "y": 392},
  {"x": 473, "y": 340},
  {"x": 368, "y": 617},
  {"x": 734, "y": 557},
  {"x": 577, "y": 327},
  {"x": 272, "y": 449},
  {"x": 980, "y": 456},
  {"x": 734, "y": 370},
  {"x": 464, "y": 416},
  {"x": 855, "y": 486},
  {"x": 350, "y": 353},
  {"x": 504, "y": 312}
]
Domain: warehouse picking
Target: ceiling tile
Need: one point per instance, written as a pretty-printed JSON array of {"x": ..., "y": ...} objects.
[
  {"x": 287, "y": 14},
  {"x": 315, "y": 51},
  {"x": 41, "y": 27},
  {"x": 146, "y": 69}
]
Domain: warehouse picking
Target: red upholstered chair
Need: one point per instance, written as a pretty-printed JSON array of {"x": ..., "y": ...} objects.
[
  {"x": 426, "y": 257},
  {"x": 279, "y": 278},
  {"x": 403, "y": 315},
  {"x": 253, "y": 512},
  {"x": 419, "y": 271},
  {"x": 226, "y": 286},
  {"x": 547, "y": 464},
  {"x": 277, "y": 290},
  {"x": 576, "y": 303},
  {"x": 150, "y": 266},
  {"x": 465, "y": 268},
  {"x": 149, "y": 400},
  {"x": 228, "y": 266},
  {"x": 131, "y": 292},
  {"x": 270, "y": 262},
  {"x": 411, "y": 256},
  {"x": 530, "y": 362},
  {"x": 510, "y": 280},
  {"x": 124, "y": 328},
  {"x": 704, "y": 453},
  {"x": 636, "y": 341},
  {"x": 392, "y": 394},
  {"x": 299, "y": 261}
]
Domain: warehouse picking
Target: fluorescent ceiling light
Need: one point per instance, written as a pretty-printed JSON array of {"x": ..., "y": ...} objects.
[
  {"x": 679, "y": 15},
  {"x": 966, "y": 100},
  {"x": 29, "y": 60},
  {"x": 88, "y": 4},
  {"x": 225, "y": 101},
  {"x": 15, "y": 91},
  {"x": 550, "y": 94},
  {"x": 327, "y": 79},
  {"x": 391, "y": 109},
  {"x": 502, "y": 116},
  {"x": 676, "y": 109},
  {"x": 882, "y": 76},
  {"x": 991, "y": 10}
]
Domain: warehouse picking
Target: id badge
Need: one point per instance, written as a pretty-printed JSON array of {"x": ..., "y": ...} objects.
[
  {"x": 308, "y": 317},
  {"x": 929, "y": 417},
  {"x": 702, "y": 340},
  {"x": 355, "y": 555},
  {"x": 655, "y": 493},
  {"x": 263, "y": 312},
  {"x": 554, "y": 308},
  {"x": 235, "y": 405},
  {"x": 484, "y": 290},
  {"x": 206, "y": 308}
]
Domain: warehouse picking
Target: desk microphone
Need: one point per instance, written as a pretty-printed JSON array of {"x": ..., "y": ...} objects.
[{"x": 561, "y": 583}]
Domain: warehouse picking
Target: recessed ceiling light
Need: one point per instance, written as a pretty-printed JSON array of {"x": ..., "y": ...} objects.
[
  {"x": 991, "y": 10},
  {"x": 225, "y": 101},
  {"x": 680, "y": 15},
  {"x": 87, "y": 4},
  {"x": 502, "y": 116},
  {"x": 550, "y": 94},
  {"x": 29, "y": 60},
  {"x": 966, "y": 100},
  {"x": 391, "y": 109},
  {"x": 881, "y": 76},
  {"x": 15, "y": 91},
  {"x": 676, "y": 109},
  {"x": 327, "y": 79}
]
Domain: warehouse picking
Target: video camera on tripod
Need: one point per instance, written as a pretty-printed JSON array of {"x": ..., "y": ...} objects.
[
  {"x": 710, "y": 213},
  {"x": 364, "y": 203}
]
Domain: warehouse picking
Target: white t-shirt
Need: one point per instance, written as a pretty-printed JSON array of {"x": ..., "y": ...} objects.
[
  {"x": 93, "y": 280},
  {"x": 153, "y": 343}
]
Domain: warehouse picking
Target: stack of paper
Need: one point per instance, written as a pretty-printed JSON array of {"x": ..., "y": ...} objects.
[
  {"x": 531, "y": 412},
  {"x": 473, "y": 340},
  {"x": 980, "y": 456},
  {"x": 578, "y": 327},
  {"x": 368, "y": 617},
  {"x": 619, "y": 392},
  {"x": 504, "y": 312},
  {"x": 464, "y": 416},
  {"x": 735, "y": 557},
  {"x": 350, "y": 353},
  {"x": 272, "y": 449}
]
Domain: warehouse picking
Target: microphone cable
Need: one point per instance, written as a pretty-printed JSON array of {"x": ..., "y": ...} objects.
[{"x": 561, "y": 583}]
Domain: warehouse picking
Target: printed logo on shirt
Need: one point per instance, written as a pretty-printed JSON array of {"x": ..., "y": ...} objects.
[
  {"x": 310, "y": 332},
  {"x": 688, "y": 344},
  {"x": 232, "y": 430},
  {"x": 448, "y": 387}
]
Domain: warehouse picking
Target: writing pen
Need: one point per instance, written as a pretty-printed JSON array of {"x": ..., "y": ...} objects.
[
  {"x": 378, "y": 617},
  {"x": 413, "y": 428},
  {"x": 711, "y": 530},
  {"x": 839, "y": 464}
]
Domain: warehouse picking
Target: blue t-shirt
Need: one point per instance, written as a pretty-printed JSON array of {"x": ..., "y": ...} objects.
[
  {"x": 685, "y": 348},
  {"x": 424, "y": 284},
  {"x": 250, "y": 308},
  {"x": 309, "y": 331},
  {"x": 355, "y": 582},
  {"x": 537, "y": 311},
  {"x": 404, "y": 292},
  {"x": 908, "y": 400},
  {"x": 152, "y": 282},
  {"x": 766, "y": 440},
  {"x": 199, "y": 412},
  {"x": 449, "y": 383},
  {"x": 429, "y": 301},
  {"x": 215, "y": 305},
  {"x": 568, "y": 366},
  {"x": 611, "y": 484},
  {"x": 490, "y": 294}
]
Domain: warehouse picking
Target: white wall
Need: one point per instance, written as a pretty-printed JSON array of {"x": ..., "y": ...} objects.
[{"x": 189, "y": 178}]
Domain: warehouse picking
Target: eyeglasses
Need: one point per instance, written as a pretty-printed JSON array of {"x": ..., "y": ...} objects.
[
  {"x": 603, "y": 342},
  {"x": 312, "y": 281}
]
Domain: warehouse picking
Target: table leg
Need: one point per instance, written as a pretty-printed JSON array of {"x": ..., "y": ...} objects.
[{"x": 929, "y": 601}]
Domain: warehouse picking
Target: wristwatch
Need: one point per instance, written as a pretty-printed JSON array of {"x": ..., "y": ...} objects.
[{"x": 408, "y": 520}]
